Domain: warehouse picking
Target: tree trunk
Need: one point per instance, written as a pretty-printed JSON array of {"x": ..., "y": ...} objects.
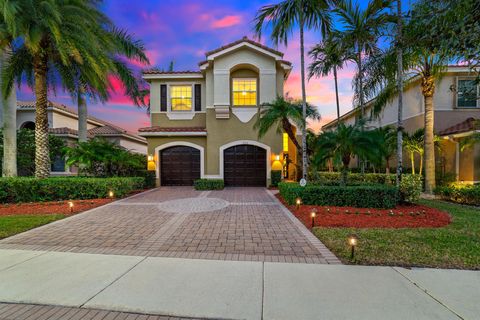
[
  {"x": 420, "y": 171},
  {"x": 387, "y": 169},
  {"x": 412, "y": 159},
  {"x": 82, "y": 115},
  {"x": 304, "y": 101},
  {"x": 9, "y": 107},
  {"x": 287, "y": 127},
  {"x": 400, "y": 93},
  {"x": 42, "y": 156},
  {"x": 428, "y": 89},
  {"x": 360, "y": 82},
  {"x": 336, "y": 94}
]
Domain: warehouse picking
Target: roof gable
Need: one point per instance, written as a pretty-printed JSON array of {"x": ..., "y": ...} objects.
[{"x": 244, "y": 42}]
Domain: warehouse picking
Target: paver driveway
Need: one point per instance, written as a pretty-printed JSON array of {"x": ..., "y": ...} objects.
[{"x": 232, "y": 224}]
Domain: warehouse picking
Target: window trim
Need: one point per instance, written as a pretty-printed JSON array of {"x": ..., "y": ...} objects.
[
  {"x": 256, "y": 93},
  {"x": 169, "y": 96},
  {"x": 465, "y": 78}
]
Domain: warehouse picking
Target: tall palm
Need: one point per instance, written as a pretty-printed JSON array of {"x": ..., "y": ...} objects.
[
  {"x": 8, "y": 101},
  {"x": 283, "y": 114},
  {"x": 283, "y": 17},
  {"x": 361, "y": 31},
  {"x": 120, "y": 47},
  {"x": 344, "y": 143},
  {"x": 329, "y": 56},
  {"x": 413, "y": 144},
  {"x": 399, "y": 45},
  {"x": 54, "y": 34}
]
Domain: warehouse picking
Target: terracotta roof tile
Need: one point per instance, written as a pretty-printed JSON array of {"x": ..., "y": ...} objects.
[
  {"x": 156, "y": 71},
  {"x": 464, "y": 126},
  {"x": 174, "y": 129},
  {"x": 63, "y": 130},
  {"x": 244, "y": 39}
]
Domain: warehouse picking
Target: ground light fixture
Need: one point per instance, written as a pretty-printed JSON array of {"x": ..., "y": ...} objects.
[
  {"x": 70, "y": 205},
  {"x": 298, "y": 202},
  {"x": 313, "y": 214},
  {"x": 110, "y": 194},
  {"x": 352, "y": 242}
]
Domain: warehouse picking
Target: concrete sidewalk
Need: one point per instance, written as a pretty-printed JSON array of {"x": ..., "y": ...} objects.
[{"x": 236, "y": 289}]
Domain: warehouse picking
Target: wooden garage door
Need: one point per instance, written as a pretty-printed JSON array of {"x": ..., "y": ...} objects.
[
  {"x": 179, "y": 166},
  {"x": 245, "y": 165}
]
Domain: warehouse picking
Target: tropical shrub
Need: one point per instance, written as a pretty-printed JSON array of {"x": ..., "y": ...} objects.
[
  {"x": 353, "y": 178},
  {"x": 371, "y": 196},
  {"x": 411, "y": 187},
  {"x": 70, "y": 188},
  {"x": 26, "y": 150},
  {"x": 208, "y": 184},
  {"x": 276, "y": 177},
  {"x": 101, "y": 158},
  {"x": 461, "y": 193}
]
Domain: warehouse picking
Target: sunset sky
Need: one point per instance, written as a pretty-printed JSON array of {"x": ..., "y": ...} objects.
[{"x": 182, "y": 31}]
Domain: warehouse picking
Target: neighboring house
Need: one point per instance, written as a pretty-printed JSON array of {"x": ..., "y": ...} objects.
[
  {"x": 202, "y": 121},
  {"x": 456, "y": 106},
  {"x": 63, "y": 122}
]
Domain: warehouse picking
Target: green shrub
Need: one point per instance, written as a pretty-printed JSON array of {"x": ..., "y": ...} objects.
[
  {"x": 70, "y": 188},
  {"x": 366, "y": 196},
  {"x": 465, "y": 194},
  {"x": 411, "y": 187},
  {"x": 276, "y": 176},
  {"x": 353, "y": 178},
  {"x": 209, "y": 184},
  {"x": 150, "y": 178}
]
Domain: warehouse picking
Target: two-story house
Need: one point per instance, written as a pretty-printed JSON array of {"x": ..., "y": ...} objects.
[
  {"x": 202, "y": 122},
  {"x": 457, "y": 109}
]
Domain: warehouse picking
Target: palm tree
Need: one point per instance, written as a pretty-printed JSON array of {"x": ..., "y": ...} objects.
[
  {"x": 413, "y": 144},
  {"x": 399, "y": 45},
  {"x": 361, "y": 31},
  {"x": 387, "y": 136},
  {"x": 329, "y": 56},
  {"x": 283, "y": 17},
  {"x": 283, "y": 114},
  {"x": 345, "y": 142},
  {"x": 54, "y": 34}
]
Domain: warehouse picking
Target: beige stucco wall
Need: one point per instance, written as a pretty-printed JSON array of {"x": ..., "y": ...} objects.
[
  {"x": 161, "y": 119},
  {"x": 133, "y": 146}
]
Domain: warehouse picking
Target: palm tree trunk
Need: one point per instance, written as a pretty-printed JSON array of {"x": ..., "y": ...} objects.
[
  {"x": 400, "y": 93},
  {"x": 82, "y": 115},
  {"x": 304, "y": 100},
  {"x": 42, "y": 156},
  {"x": 287, "y": 127},
  {"x": 420, "y": 171},
  {"x": 9, "y": 107},
  {"x": 428, "y": 88},
  {"x": 412, "y": 159},
  {"x": 336, "y": 94},
  {"x": 360, "y": 82},
  {"x": 387, "y": 169}
]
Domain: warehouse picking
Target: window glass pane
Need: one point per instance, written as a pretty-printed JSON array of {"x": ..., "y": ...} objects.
[
  {"x": 181, "y": 98},
  {"x": 467, "y": 94},
  {"x": 244, "y": 92}
]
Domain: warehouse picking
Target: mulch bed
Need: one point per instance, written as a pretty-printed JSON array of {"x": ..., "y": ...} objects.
[
  {"x": 54, "y": 207},
  {"x": 403, "y": 216}
]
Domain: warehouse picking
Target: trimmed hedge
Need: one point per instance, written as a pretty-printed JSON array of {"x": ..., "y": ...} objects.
[
  {"x": 354, "y": 178},
  {"x": 209, "y": 184},
  {"x": 368, "y": 196},
  {"x": 69, "y": 188},
  {"x": 276, "y": 176},
  {"x": 411, "y": 187},
  {"x": 465, "y": 194}
]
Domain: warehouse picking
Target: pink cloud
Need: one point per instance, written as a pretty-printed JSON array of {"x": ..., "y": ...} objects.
[{"x": 227, "y": 21}]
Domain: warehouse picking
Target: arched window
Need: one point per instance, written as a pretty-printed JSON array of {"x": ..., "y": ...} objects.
[{"x": 30, "y": 125}]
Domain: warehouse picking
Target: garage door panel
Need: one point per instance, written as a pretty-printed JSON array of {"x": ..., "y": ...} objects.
[
  {"x": 180, "y": 166},
  {"x": 245, "y": 165}
]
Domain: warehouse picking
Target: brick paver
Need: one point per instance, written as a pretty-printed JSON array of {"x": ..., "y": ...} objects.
[
  {"x": 233, "y": 224},
  {"x": 40, "y": 312}
]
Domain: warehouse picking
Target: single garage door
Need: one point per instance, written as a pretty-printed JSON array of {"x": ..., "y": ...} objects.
[
  {"x": 179, "y": 166},
  {"x": 245, "y": 165}
]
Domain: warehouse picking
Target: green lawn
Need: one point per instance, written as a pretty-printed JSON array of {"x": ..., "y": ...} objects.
[
  {"x": 10, "y": 225},
  {"x": 454, "y": 246}
]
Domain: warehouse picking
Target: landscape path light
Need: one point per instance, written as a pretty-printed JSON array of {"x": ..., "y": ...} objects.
[
  {"x": 313, "y": 215},
  {"x": 298, "y": 202},
  {"x": 353, "y": 242},
  {"x": 70, "y": 205},
  {"x": 110, "y": 194}
]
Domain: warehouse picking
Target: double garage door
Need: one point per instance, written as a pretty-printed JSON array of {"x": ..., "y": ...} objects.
[{"x": 244, "y": 165}]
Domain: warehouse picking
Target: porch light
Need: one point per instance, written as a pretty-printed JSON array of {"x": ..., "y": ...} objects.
[
  {"x": 110, "y": 194},
  {"x": 70, "y": 205},
  {"x": 277, "y": 157},
  {"x": 150, "y": 157},
  {"x": 352, "y": 241},
  {"x": 298, "y": 202}
]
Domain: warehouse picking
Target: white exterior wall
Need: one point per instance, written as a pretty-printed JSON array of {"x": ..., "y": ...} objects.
[{"x": 133, "y": 146}]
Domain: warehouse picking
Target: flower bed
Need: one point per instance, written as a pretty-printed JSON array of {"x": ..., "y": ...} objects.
[
  {"x": 402, "y": 216},
  {"x": 55, "y": 207}
]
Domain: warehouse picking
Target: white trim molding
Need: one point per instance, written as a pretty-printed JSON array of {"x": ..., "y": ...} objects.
[
  {"x": 174, "y": 134},
  {"x": 244, "y": 114},
  {"x": 247, "y": 142},
  {"x": 179, "y": 144},
  {"x": 190, "y": 75}
]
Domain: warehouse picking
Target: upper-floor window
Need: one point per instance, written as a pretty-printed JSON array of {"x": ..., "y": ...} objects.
[
  {"x": 181, "y": 98},
  {"x": 244, "y": 92},
  {"x": 467, "y": 94}
]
